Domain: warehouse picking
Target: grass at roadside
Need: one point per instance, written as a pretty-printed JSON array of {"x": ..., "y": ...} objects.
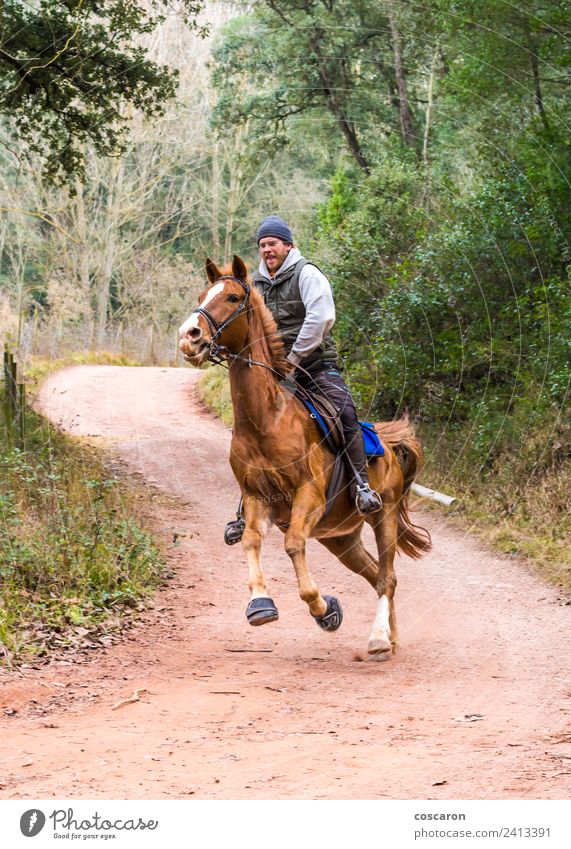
[
  {"x": 519, "y": 502},
  {"x": 40, "y": 367},
  {"x": 73, "y": 559},
  {"x": 521, "y": 505},
  {"x": 213, "y": 390}
]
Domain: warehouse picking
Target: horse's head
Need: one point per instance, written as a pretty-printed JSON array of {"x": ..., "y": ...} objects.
[{"x": 221, "y": 319}]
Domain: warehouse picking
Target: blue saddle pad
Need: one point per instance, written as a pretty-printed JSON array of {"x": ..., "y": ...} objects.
[{"x": 372, "y": 443}]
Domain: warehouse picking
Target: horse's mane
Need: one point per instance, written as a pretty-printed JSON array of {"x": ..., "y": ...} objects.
[
  {"x": 265, "y": 328},
  {"x": 268, "y": 330}
]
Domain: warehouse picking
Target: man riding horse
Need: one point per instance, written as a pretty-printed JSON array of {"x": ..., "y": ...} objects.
[{"x": 299, "y": 297}]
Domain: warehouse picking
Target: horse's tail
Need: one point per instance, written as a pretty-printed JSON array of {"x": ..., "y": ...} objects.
[{"x": 412, "y": 540}]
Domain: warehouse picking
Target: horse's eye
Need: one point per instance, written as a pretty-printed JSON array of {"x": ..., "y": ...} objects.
[{"x": 233, "y": 298}]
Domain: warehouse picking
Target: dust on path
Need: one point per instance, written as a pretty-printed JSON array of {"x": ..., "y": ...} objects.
[{"x": 476, "y": 704}]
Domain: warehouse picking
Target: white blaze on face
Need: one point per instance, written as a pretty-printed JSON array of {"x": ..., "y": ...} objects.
[{"x": 192, "y": 321}]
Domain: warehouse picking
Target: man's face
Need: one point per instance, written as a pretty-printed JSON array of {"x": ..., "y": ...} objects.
[{"x": 274, "y": 252}]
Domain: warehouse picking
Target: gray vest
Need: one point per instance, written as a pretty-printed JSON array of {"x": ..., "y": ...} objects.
[{"x": 283, "y": 299}]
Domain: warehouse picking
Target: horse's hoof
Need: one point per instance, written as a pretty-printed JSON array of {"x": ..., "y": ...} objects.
[
  {"x": 378, "y": 647},
  {"x": 380, "y": 656},
  {"x": 261, "y": 610},
  {"x": 333, "y": 616}
]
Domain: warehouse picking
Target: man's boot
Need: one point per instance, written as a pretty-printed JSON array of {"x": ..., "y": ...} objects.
[
  {"x": 234, "y": 530},
  {"x": 367, "y": 500}
]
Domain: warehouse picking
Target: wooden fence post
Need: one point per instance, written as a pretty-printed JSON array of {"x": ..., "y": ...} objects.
[
  {"x": 7, "y": 404},
  {"x": 14, "y": 402}
]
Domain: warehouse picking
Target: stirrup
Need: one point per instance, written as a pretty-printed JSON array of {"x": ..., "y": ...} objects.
[
  {"x": 234, "y": 530},
  {"x": 367, "y": 500}
]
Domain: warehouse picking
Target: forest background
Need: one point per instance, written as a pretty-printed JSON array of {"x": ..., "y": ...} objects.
[{"x": 420, "y": 152}]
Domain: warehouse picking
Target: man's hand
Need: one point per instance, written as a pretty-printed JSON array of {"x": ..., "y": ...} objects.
[{"x": 287, "y": 383}]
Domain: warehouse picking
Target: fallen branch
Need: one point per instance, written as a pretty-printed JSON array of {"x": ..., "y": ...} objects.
[
  {"x": 424, "y": 492},
  {"x": 136, "y": 697},
  {"x": 253, "y": 651}
]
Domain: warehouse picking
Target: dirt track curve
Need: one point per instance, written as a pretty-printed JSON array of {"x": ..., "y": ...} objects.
[{"x": 476, "y": 704}]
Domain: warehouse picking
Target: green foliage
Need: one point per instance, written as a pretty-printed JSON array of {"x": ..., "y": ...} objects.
[
  {"x": 70, "y": 552},
  {"x": 476, "y": 305},
  {"x": 69, "y": 71},
  {"x": 331, "y": 59},
  {"x": 342, "y": 200},
  {"x": 452, "y": 274}
]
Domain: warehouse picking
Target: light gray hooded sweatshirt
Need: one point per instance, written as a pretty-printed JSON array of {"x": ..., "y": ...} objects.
[{"x": 317, "y": 297}]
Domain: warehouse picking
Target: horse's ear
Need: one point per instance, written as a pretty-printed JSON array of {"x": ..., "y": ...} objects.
[
  {"x": 212, "y": 271},
  {"x": 239, "y": 269}
]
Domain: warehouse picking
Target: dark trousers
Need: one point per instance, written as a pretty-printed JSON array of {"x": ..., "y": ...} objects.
[{"x": 326, "y": 379}]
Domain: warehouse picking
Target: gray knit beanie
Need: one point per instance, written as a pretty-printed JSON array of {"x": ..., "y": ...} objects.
[{"x": 273, "y": 225}]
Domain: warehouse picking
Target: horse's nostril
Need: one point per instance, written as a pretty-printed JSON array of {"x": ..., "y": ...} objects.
[{"x": 195, "y": 333}]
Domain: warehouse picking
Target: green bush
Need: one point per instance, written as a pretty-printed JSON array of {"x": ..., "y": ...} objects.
[{"x": 464, "y": 321}]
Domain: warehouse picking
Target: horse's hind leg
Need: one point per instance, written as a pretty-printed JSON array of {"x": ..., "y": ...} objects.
[
  {"x": 383, "y": 637},
  {"x": 350, "y": 550},
  {"x": 261, "y": 609}
]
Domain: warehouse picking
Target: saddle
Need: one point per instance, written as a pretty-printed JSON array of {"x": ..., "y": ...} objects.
[
  {"x": 326, "y": 416},
  {"x": 322, "y": 410}
]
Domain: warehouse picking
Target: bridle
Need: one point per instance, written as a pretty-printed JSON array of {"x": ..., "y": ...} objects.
[{"x": 218, "y": 353}]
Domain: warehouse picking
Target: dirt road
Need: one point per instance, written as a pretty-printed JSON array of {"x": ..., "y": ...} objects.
[{"x": 477, "y": 703}]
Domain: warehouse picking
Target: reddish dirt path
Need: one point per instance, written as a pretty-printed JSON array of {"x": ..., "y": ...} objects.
[{"x": 296, "y": 715}]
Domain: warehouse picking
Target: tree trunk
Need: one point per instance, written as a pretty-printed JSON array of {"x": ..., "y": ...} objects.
[
  {"x": 345, "y": 125},
  {"x": 215, "y": 194},
  {"x": 538, "y": 95},
  {"x": 20, "y": 273},
  {"x": 235, "y": 188},
  {"x": 104, "y": 282},
  {"x": 427, "y": 124},
  {"x": 429, "y": 107},
  {"x": 153, "y": 356},
  {"x": 406, "y": 121},
  {"x": 81, "y": 227}
]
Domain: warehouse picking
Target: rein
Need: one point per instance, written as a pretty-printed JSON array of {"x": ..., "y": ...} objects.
[{"x": 220, "y": 355}]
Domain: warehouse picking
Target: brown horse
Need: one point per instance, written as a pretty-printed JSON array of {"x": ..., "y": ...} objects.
[{"x": 283, "y": 466}]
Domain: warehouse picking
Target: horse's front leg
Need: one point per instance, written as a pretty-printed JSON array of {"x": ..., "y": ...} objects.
[
  {"x": 306, "y": 511},
  {"x": 261, "y": 608}
]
